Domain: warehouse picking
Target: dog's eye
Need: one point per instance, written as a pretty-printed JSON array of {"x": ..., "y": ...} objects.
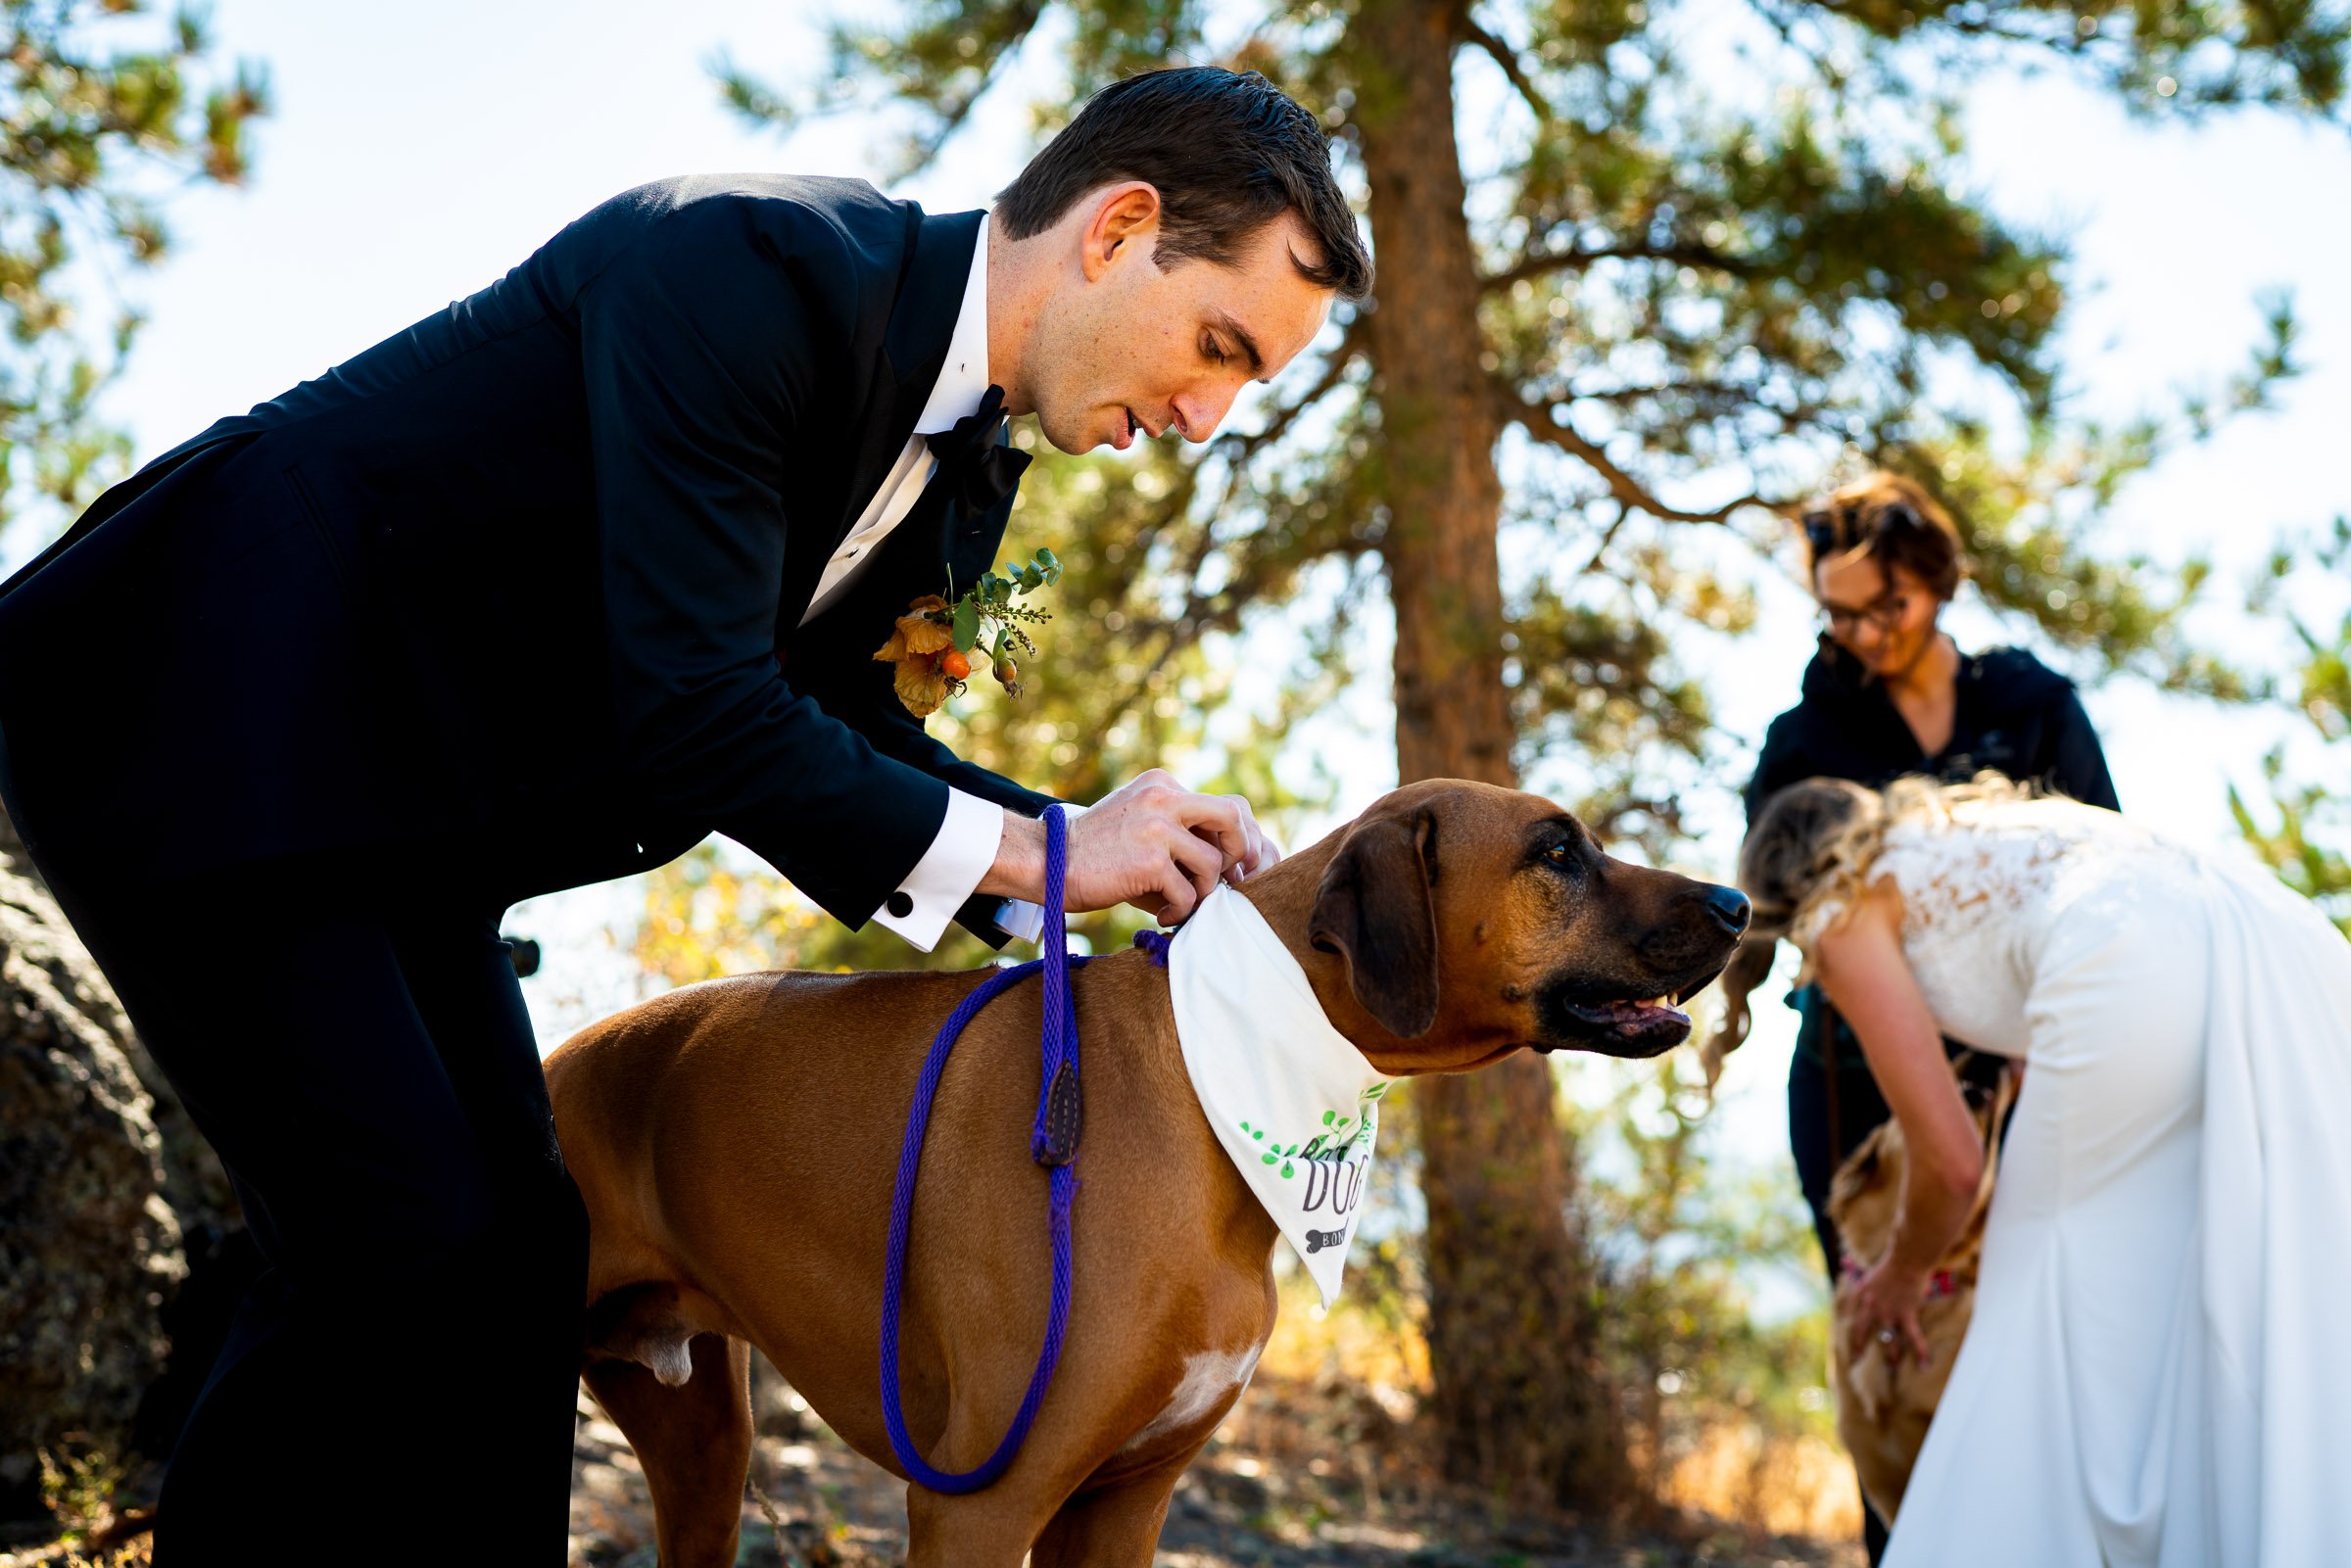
[{"x": 1561, "y": 853}]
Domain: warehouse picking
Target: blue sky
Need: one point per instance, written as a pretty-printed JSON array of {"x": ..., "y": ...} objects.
[{"x": 420, "y": 151}]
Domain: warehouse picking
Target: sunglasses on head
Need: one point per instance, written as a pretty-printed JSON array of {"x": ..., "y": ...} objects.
[{"x": 1838, "y": 527}]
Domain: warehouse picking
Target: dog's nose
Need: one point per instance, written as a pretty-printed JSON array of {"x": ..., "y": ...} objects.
[{"x": 1730, "y": 909}]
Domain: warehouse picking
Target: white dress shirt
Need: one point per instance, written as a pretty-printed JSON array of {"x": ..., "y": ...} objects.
[{"x": 974, "y": 829}]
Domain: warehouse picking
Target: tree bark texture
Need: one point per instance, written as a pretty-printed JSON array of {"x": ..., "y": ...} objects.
[{"x": 1517, "y": 1401}]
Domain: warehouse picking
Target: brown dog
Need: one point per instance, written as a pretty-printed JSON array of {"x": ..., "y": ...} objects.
[
  {"x": 1885, "y": 1402},
  {"x": 735, "y": 1142}
]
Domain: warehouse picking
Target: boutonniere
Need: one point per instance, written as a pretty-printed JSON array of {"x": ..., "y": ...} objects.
[{"x": 938, "y": 642}]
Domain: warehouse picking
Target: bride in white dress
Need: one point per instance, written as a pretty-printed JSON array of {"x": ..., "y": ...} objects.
[{"x": 2157, "y": 1371}]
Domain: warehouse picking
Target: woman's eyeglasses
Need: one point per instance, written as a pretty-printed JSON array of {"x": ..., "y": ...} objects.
[{"x": 1880, "y": 614}]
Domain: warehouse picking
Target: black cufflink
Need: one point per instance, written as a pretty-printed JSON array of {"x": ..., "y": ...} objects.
[{"x": 900, "y": 905}]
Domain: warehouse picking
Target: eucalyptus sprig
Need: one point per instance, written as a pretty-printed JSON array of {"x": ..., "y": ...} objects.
[{"x": 985, "y": 617}]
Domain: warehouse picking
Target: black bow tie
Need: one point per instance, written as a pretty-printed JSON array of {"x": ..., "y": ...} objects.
[{"x": 977, "y": 469}]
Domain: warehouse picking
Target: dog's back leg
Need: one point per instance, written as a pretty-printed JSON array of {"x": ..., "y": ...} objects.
[{"x": 695, "y": 1441}]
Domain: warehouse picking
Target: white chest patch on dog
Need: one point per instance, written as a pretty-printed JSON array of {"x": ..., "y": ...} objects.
[
  {"x": 1294, "y": 1103},
  {"x": 1209, "y": 1376}
]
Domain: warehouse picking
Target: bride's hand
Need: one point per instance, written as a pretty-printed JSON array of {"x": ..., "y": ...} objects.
[{"x": 1886, "y": 1299}]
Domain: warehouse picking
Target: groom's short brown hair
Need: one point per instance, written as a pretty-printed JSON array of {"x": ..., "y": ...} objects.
[{"x": 1228, "y": 153}]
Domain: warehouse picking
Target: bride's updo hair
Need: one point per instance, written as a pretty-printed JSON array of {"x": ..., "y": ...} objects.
[
  {"x": 1802, "y": 839},
  {"x": 1809, "y": 853}
]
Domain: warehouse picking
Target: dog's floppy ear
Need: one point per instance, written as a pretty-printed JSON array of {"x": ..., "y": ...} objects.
[{"x": 1375, "y": 910}]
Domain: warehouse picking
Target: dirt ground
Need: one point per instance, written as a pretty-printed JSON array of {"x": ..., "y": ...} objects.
[{"x": 1249, "y": 1501}]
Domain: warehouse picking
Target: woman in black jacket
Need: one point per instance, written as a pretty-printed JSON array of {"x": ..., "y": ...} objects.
[{"x": 1890, "y": 693}]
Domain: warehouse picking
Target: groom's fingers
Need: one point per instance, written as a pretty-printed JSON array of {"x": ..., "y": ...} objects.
[
  {"x": 1199, "y": 863},
  {"x": 1260, "y": 852},
  {"x": 1173, "y": 898},
  {"x": 1223, "y": 821},
  {"x": 1187, "y": 843}
]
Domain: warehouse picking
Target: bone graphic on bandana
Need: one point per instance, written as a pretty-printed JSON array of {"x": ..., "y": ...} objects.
[{"x": 1316, "y": 1240}]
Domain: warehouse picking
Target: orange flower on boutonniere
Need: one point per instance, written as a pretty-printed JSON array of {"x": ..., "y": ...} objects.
[
  {"x": 937, "y": 644},
  {"x": 915, "y": 646}
]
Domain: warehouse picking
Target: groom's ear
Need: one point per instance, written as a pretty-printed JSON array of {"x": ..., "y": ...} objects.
[
  {"x": 1125, "y": 222},
  {"x": 1374, "y": 909}
]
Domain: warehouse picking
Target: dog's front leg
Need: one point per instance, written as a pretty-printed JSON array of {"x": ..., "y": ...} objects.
[{"x": 989, "y": 1529}]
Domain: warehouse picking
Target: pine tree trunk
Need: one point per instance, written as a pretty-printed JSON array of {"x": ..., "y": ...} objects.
[{"x": 1517, "y": 1403}]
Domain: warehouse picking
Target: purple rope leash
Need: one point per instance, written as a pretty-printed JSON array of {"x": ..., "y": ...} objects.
[{"x": 1052, "y": 1143}]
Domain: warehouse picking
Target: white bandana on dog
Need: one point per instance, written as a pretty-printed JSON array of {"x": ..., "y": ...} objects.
[{"x": 1291, "y": 1099}]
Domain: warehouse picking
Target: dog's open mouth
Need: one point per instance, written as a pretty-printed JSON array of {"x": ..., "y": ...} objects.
[
  {"x": 1634, "y": 1027},
  {"x": 1637, "y": 1028}
]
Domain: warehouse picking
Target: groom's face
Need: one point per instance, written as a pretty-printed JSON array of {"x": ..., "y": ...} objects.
[{"x": 1133, "y": 351}]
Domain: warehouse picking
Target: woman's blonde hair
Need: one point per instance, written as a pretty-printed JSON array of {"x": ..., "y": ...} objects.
[{"x": 1811, "y": 847}]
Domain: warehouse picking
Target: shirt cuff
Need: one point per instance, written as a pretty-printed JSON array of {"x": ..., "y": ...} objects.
[
  {"x": 1017, "y": 916},
  {"x": 948, "y": 873}
]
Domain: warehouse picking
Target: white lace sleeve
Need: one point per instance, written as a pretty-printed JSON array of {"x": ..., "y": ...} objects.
[{"x": 1815, "y": 921}]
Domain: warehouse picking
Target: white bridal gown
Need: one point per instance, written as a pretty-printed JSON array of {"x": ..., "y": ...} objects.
[{"x": 2158, "y": 1370}]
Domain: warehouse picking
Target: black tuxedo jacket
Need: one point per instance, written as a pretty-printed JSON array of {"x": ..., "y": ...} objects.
[{"x": 524, "y": 581}]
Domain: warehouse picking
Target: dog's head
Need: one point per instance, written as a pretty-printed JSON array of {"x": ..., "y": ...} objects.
[{"x": 1455, "y": 922}]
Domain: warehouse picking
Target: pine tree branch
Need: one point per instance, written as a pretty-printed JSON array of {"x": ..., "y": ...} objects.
[
  {"x": 1508, "y": 59},
  {"x": 1538, "y": 263},
  {"x": 1627, "y": 491}
]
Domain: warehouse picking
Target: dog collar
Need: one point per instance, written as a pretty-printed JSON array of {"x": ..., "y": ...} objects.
[{"x": 1290, "y": 1098}]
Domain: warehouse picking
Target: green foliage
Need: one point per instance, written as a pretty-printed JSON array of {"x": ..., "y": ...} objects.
[
  {"x": 2299, "y": 847},
  {"x": 1681, "y": 1249},
  {"x": 101, "y": 114},
  {"x": 79, "y": 1480},
  {"x": 2309, "y": 841}
]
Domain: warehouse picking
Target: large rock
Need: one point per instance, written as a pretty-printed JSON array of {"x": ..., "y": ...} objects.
[{"x": 102, "y": 1183}]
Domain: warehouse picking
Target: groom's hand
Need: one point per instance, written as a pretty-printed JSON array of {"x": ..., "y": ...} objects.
[{"x": 1151, "y": 843}]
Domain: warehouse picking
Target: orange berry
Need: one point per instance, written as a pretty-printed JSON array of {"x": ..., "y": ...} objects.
[{"x": 955, "y": 666}]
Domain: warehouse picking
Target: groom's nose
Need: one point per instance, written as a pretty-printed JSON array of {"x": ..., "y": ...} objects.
[{"x": 1201, "y": 410}]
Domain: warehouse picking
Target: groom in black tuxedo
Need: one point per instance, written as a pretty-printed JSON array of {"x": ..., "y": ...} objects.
[{"x": 539, "y": 591}]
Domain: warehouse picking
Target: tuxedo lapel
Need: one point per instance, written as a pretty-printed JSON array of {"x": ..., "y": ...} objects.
[{"x": 914, "y": 347}]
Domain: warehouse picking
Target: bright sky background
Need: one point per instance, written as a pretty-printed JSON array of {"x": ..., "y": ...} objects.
[{"x": 420, "y": 151}]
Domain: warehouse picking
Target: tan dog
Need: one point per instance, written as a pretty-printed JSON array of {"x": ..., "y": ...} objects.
[
  {"x": 1884, "y": 1400},
  {"x": 735, "y": 1142}
]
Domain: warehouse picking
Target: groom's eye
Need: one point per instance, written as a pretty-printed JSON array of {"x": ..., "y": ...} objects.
[{"x": 1212, "y": 351}]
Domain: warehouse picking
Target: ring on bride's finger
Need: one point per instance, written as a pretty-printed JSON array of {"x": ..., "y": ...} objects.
[{"x": 1884, "y": 1336}]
